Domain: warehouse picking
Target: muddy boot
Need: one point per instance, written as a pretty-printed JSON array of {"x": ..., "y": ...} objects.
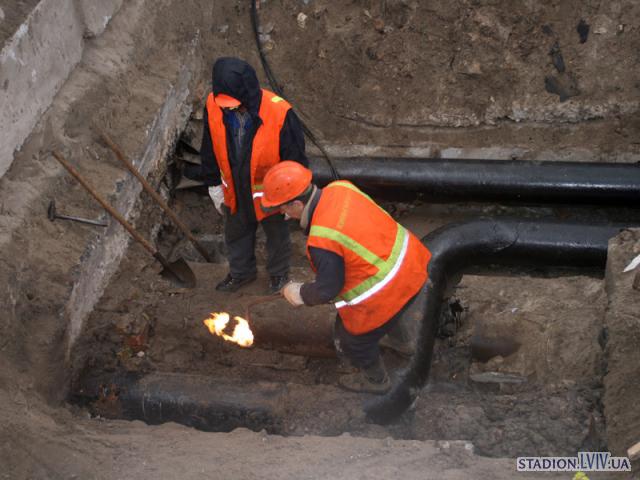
[
  {"x": 373, "y": 379},
  {"x": 344, "y": 365}
]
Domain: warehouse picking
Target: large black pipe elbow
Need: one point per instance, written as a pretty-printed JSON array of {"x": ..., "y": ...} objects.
[{"x": 483, "y": 243}]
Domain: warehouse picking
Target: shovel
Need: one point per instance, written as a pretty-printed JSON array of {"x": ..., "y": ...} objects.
[
  {"x": 158, "y": 199},
  {"x": 177, "y": 272}
]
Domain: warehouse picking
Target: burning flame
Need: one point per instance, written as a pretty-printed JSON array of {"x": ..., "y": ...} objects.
[{"x": 242, "y": 334}]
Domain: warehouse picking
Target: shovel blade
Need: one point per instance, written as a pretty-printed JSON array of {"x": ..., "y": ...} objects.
[{"x": 179, "y": 273}]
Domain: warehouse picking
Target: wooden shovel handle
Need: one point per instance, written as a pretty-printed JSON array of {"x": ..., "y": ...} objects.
[
  {"x": 155, "y": 195},
  {"x": 104, "y": 204}
]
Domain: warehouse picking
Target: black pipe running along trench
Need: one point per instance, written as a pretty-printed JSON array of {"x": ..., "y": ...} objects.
[
  {"x": 482, "y": 244},
  {"x": 198, "y": 401},
  {"x": 534, "y": 182}
]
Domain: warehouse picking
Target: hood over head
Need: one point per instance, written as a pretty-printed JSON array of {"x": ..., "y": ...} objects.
[{"x": 238, "y": 79}]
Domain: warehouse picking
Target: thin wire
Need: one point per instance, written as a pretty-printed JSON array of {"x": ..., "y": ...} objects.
[{"x": 277, "y": 89}]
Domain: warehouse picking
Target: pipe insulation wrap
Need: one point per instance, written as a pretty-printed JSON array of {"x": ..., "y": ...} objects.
[
  {"x": 482, "y": 243},
  {"x": 488, "y": 180},
  {"x": 197, "y": 401}
]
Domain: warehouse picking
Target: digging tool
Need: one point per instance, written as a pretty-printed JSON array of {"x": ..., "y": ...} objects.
[
  {"x": 158, "y": 199},
  {"x": 259, "y": 300},
  {"x": 178, "y": 271},
  {"x": 52, "y": 214}
]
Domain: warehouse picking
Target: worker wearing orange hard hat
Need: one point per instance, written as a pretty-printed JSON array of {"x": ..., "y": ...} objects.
[
  {"x": 367, "y": 264},
  {"x": 247, "y": 130}
]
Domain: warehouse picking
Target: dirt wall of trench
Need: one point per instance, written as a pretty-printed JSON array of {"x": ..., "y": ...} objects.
[{"x": 127, "y": 79}]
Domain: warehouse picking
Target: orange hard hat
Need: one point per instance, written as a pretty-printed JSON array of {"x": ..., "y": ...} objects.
[
  {"x": 284, "y": 182},
  {"x": 226, "y": 101}
]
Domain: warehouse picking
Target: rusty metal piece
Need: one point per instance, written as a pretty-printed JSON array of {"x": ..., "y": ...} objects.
[
  {"x": 107, "y": 404},
  {"x": 140, "y": 342},
  {"x": 264, "y": 299}
]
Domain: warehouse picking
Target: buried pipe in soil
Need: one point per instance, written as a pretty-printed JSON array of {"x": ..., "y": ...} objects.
[
  {"x": 481, "y": 244},
  {"x": 520, "y": 181},
  {"x": 197, "y": 401}
]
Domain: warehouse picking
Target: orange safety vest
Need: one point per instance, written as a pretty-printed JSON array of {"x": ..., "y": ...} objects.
[
  {"x": 385, "y": 264},
  {"x": 265, "y": 151}
]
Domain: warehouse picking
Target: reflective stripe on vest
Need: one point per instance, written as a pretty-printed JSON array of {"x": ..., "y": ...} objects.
[
  {"x": 351, "y": 186},
  {"x": 257, "y": 190},
  {"x": 387, "y": 269}
]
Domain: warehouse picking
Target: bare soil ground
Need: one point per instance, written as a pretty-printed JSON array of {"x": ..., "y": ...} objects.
[
  {"x": 396, "y": 74},
  {"x": 406, "y": 73}
]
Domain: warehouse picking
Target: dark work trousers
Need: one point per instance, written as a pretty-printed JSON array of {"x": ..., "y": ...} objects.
[
  {"x": 363, "y": 350},
  {"x": 240, "y": 238}
]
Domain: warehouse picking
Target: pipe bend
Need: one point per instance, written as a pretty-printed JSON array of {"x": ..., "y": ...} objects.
[{"x": 479, "y": 243}]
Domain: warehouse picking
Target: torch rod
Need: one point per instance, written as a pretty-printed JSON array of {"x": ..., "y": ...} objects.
[{"x": 259, "y": 300}]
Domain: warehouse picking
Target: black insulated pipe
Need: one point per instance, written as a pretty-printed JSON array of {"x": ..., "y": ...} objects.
[
  {"x": 197, "y": 401},
  {"x": 484, "y": 243},
  {"x": 521, "y": 181}
]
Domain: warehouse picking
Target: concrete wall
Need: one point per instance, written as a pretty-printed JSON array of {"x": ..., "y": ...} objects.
[
  {"x": 36, "y": 61},
  {"x": 104, "y": 258},
  {"x": 96, "y": 14}
]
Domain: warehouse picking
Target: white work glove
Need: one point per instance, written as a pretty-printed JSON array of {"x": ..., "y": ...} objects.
[
  {"x": 291, "y": 291},
  {"x": 217, "y": 196}
]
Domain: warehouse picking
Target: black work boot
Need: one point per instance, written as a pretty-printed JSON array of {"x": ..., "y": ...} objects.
[
  {"x": 277, "y": 282},
  {"x": 373, "y": 379},
  {"x": 232, "y": 284}
]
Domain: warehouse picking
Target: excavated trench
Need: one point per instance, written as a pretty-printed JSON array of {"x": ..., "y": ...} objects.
[
  {"x": 517, "y": 366},
  {"x": 526, "y": 357},
  {"x": 518, "y": 363}
]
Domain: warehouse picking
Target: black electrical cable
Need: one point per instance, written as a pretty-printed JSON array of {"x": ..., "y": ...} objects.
[{"x": 277, "y": 89}]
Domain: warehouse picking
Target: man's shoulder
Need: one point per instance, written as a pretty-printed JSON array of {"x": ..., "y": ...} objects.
[{"x": 274, "y": 99}]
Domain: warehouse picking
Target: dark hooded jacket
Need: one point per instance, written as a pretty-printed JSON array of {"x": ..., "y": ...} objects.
[{"x": 236, "y": 78}]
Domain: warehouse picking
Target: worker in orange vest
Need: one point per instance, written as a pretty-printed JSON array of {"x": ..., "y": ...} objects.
[
  {"x": 367, "y": 264},
  {"x": 247, "y": 130}
]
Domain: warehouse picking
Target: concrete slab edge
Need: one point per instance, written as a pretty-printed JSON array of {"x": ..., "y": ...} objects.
[
  {"x": 37, "y": 60},
  {"x": 102, "y": 259}
]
